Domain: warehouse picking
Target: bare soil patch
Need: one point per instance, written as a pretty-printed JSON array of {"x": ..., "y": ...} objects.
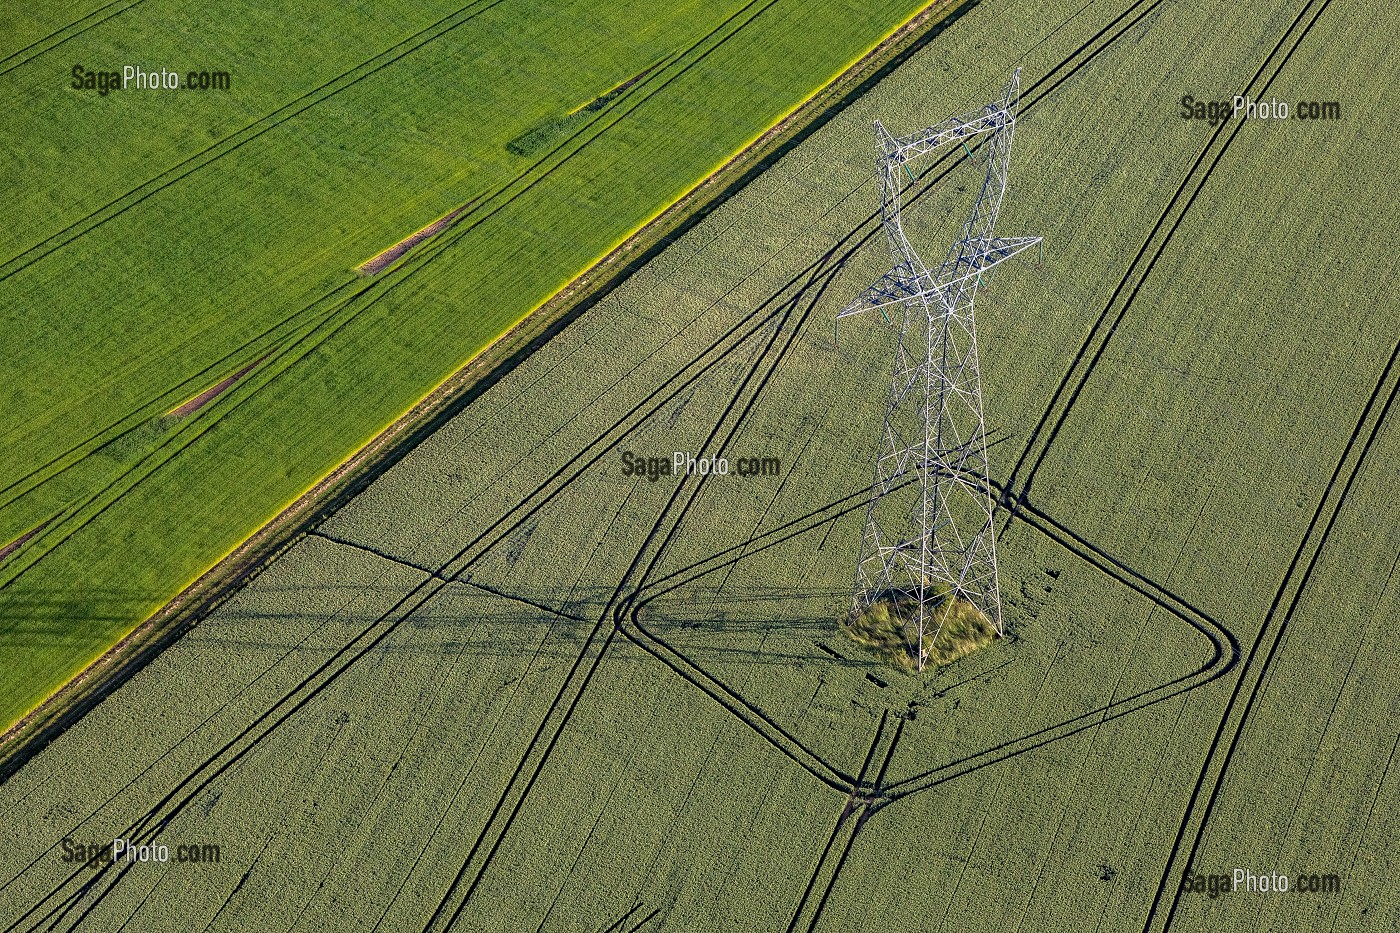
[
  {"x": 381, "y": 261},
  {"x": 14, "y": 545},
  {"x": 214, "y": 391}
]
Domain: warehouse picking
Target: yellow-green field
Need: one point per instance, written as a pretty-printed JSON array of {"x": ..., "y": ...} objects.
[{"x": 158, "y": 242}]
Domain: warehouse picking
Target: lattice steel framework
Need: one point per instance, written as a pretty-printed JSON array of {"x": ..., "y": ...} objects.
[{"x": 934, "y": 430}]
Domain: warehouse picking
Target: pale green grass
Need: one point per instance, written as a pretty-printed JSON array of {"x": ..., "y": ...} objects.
[{"x": 1041, "y": 796}]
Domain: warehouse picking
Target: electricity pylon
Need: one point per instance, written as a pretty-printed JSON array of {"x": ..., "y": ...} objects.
[{"x": 934, "y": 431}]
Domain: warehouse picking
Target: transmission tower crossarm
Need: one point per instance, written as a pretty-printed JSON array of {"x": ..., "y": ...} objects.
[
  {"x": 900, "y": 284},
  {"x": 992, "y": 253},
  {"x": 952, "y": 130},
  {"x": 1003, "y": 248}
]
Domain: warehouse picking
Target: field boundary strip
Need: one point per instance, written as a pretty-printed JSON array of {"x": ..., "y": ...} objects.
[
  {"x": 1030, "y": 514},
  {"x": 681, "y": 517},
  {"x": 376, "y": 289}
]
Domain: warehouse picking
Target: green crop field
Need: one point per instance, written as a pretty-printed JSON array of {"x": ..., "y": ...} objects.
[
  {"x": 159, "y": 242},
  {"x": 514, "y": 685}
]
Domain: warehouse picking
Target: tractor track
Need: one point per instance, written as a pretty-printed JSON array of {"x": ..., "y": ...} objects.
[
  {"x": 846, "y": 809},
  {"x": 148, "y": 826},
  {"x": 1189, "y": 837},
  {"x": 136, "y": 417},
  {"x": 865, "y": 812},
  {"x": 1151, "y": 250},
  {"x": 125, "y": 480},
  {"x": 5, "y": 63},
  {"x": 60, "y": 528},
  {"x": 1223, "y": 658},
  {"x": 173, "y": 748},
  {"x": 616, "y": 925}
]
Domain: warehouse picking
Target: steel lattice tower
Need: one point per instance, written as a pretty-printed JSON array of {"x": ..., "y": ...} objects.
[{"x": 934, "y": 431}]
